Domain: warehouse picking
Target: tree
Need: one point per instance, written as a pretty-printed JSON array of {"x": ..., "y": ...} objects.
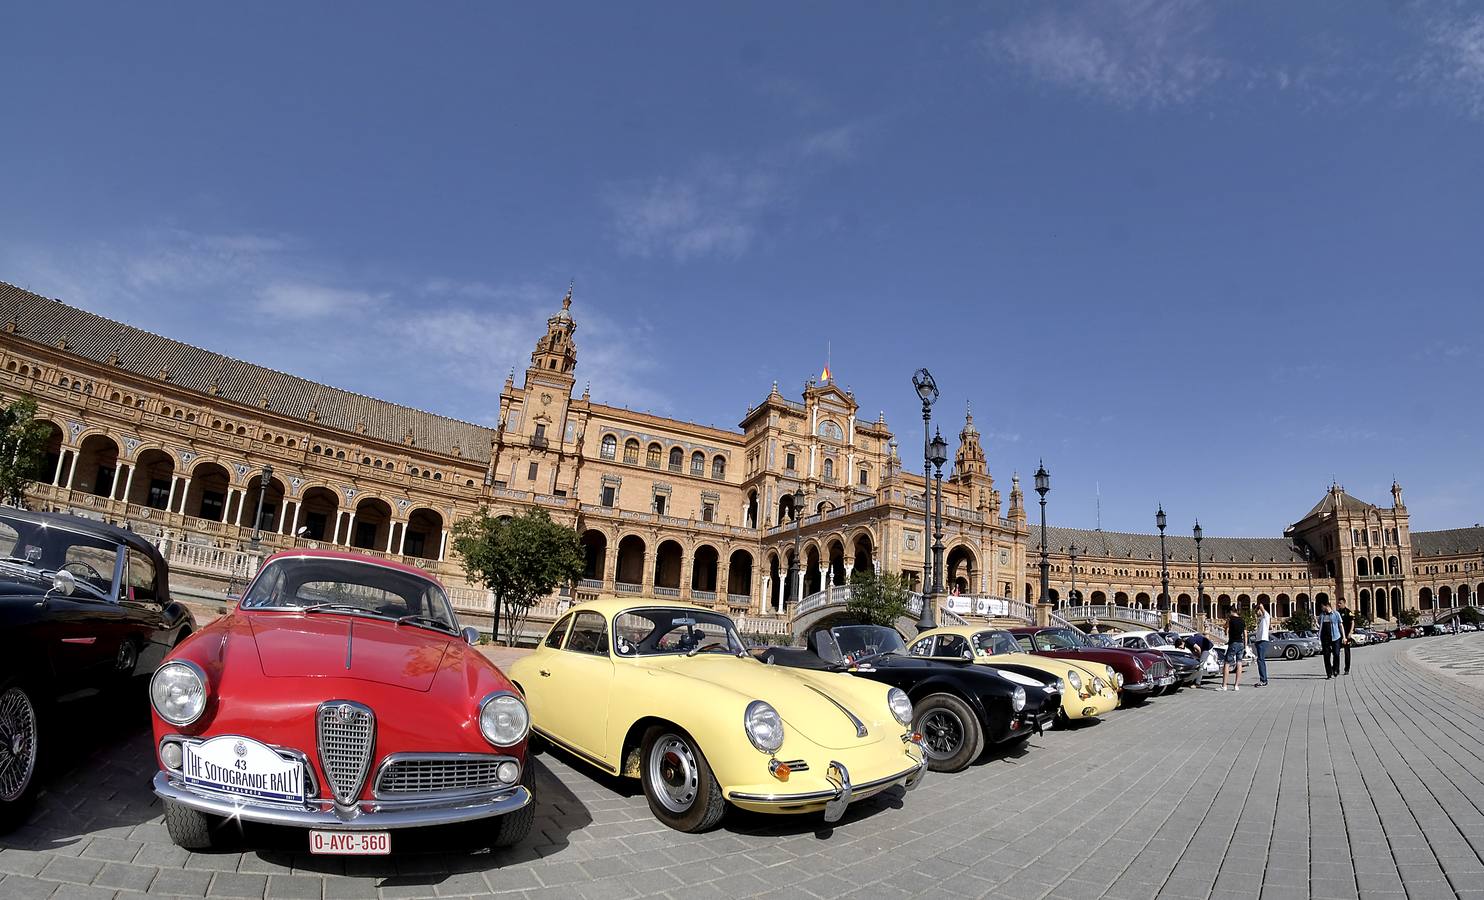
[
  {"x": 1362, "y": 620},
  {"x": 1470, "y": 615},
  {"x": 520, "y": 559},
  {"x": 22, "y": 448},
  {"x": 1301, "y": 620},
  {"x": 876, "y": 599},
  {"x": 1408, "y": 616}
]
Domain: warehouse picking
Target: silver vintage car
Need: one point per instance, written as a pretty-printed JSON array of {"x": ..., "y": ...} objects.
[{"x": 1289, "y": 645}]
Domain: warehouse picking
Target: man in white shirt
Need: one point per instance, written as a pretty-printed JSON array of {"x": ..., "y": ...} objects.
[{"x": 1260, "y": 637}]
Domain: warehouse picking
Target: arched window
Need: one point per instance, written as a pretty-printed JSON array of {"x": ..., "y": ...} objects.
[
  {"x": 1362, "y": 568},
  {"x": 829, "y": 470},
  {"x": 831, "y": 431},
  {"x": 719, "y": 468},
  {"x": 609, "y": 447},
  {"x": 631, "y": 451},
  {"x": 652, "y": 456},
  {"x": 677, "y": 458},
  {"x": 698, "y": 464}
]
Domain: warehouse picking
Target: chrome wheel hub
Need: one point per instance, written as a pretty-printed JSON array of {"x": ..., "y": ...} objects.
[
  {"x": 674, "y": 774},
  {"x": 17, "y": 743}
]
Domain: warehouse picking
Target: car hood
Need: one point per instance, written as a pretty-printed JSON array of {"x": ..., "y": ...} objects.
[
  {"x": 818, "y": 705},
  {"x": 327, "y": 645}
]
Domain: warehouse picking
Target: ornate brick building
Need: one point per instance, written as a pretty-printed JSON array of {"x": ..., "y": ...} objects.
[{"x": 176, "y": 441}]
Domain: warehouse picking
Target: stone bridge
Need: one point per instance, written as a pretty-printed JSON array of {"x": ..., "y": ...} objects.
[{"x": 819, "y": 608}]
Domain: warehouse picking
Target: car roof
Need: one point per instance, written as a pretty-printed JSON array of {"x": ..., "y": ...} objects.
[
  {"x": 961, "y": 630},
  {"x": 354, "y": 557},
  {"x": 612, "y": 606},
  {"x": 82, "y": 525}
]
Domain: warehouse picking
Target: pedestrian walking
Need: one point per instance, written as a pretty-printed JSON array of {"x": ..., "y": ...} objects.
[
  {"x": 1236, "y": 645},
  {"x": 1329, "y": 639},
  {"x": 1347, "y": 632},
  {"x": 1261, "y": 635}
]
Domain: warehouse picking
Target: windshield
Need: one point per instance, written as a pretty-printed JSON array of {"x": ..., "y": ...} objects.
[
  {"x": 1155, "y": 639},
  {"x": 32, "y": 552},
  {"x": 673, "y": 630},
  {"x": 995, "y": 642},
  {"x": 1098, "y": 640},
  {"x": 852, "y": 643},
  {"x": 352, "y": 587},
  {"x": 1059, "y": 639}
]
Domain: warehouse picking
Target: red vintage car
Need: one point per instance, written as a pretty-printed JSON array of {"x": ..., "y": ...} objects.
[
  {"x": 339, "y": 696},
  {"x": 1143, "y": 673}
]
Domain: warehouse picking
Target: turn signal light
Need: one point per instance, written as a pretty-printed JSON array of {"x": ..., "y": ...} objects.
[
  {"x": 917, "y": 737},
  {"x": 779, "y": 770}
]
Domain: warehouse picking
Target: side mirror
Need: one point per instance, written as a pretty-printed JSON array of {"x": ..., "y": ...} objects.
[
  {"x": 64, "y": 583},
  {"x": 471, "y": 635},
  {"x": 969, "y": 655}
]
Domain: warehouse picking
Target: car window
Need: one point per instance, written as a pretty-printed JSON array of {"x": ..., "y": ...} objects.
[
  {"x": 1025, "y": 642},
  {"x": 646, "y": 632},
  {"x": 923, "y": 647},
  {"x": 93, "y": 565},
  {"x": 589, "y": 634},
  {"x": 952, "y": 645},
  {"x": 141, "y": 577},
  {"x": 9, "y": 537},
  {"x": 558, "y": 631},
  {"x": 989, "y": 643}
]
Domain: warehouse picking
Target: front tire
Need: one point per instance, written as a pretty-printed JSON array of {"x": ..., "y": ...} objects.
[
  {"x": 678, "y": 783},
  {"x": 1290, "y": 653},
  {"x": 189, "y": 828},
  {"x": 951, "y": 736},
  {"x": 20, "y": 734},
  {"x": 512, "y": 828}
]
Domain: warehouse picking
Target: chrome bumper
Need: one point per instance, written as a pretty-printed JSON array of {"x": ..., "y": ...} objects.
[
  {"x": 364, "y": 816},
  {"x": 841, "y": 792}
]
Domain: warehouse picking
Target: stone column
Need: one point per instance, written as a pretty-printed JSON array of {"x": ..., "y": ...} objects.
[
  {"x": 241, "y": 502},
  {"x": 647, "y": 575},
  {"x": 610, "y": 567},
  {"x": 185, "y": 493},
  {"x": 723, "y": 573},
  {"x": 61, "y": 462},
  {"x": 767, "y": 595},
  {"x": 339, "y": 516},
  {"x": 350, "y": 530},
  {"x": 129, "y": 483},
  {"x": 391, "y": 533},
  {"x": 113, "y": 481},
  {"x": 72, "y": 471},
  {"x": 402, "y": 544},
  {"x": 442, "y": 545},
  {"x": 687, "y": 568},
  {"x": 298, "y": 513}
]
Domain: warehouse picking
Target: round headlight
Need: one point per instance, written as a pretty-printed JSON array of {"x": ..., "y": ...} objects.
[
  {"x": 1017, "y": 699},
  {"x": 1098, "y": 684},
  {"x": 1111, "y": 673},
  {"x": 178, "y": 692},
  {"x": 1118, "y": 677},
  {"x": 1074, "y": 680},
  {"x": 901, "y": 707},
  {"x": 503, "y": 719},
  {"x": 764, "y": 726}
]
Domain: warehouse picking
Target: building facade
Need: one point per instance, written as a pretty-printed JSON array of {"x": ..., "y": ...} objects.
[{"x": 210, "y": 452}]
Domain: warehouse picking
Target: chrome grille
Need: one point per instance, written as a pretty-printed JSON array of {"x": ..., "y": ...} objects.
[
  {"x": 402, "y": 777},
  {"x": 347, "y": 734},
  {"x": 1159, "y": 670}
]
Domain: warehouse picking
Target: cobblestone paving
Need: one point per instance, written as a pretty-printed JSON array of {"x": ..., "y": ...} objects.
[{"x": 1368, "y": 786}]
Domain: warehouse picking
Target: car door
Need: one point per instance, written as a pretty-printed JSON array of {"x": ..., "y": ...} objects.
[
  {"x": 87, "y": 625},
  {"x": 540, "y": 699},
  {"x": 143, "y": 617},
  {"x": 953, "y": 646},
  {"x": 580, "y": 681}
]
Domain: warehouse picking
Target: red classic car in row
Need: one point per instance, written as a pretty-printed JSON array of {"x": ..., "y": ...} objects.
[{"x": 341, "y": 697}]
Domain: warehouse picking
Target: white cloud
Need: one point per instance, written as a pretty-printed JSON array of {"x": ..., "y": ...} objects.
[
  {"x": 712, "y": 211},
  {"x": 1452, "y": 62},
  {"x": 1130, "y": 52},
  {"x": 838, "y": 143},
  {"x": 297, "y": 300}
]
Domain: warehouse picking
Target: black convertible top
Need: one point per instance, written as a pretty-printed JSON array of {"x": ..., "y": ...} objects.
[{"x": 124, "y": 536}]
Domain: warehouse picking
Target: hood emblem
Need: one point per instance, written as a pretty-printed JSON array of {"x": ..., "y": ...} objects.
[
  {"x": 343, "y": 713},
  {"x": 239, "y": 748}
]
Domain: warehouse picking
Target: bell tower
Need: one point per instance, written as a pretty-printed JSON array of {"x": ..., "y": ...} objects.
[
  {"x": 555, "y": 356},
  {"x": 537, "y": 443},
  {"x": 971, "y": 469}
]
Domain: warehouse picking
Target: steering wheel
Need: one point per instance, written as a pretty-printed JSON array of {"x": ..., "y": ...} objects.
[
  {"x": 88, "y": 572},
  {"x": 703, "y": 649}
]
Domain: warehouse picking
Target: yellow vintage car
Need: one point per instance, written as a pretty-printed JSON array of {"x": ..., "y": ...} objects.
[
  {"x": 666, "y": 692},
  {"x": 1091, "y": 688}
]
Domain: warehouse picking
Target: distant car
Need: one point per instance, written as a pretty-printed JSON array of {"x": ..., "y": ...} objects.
[
  {"x": 84, "y": 607},
  {"x": 1467, "y": 627},
  {"x": 1187, "y": 667},
  {"x": 1289, "y": 645},
  {"x": 1409, "y": 631},
  {"x": 1145, "y": 674}
]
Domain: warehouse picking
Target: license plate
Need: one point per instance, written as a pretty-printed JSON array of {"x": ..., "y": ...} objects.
[
  {"x": 351, "y": 843},
  {"x": 242, "y": 766}
]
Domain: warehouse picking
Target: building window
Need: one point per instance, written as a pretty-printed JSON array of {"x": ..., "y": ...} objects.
[
  {"x": 708, "y": 512},
  {"x": 677, "y": 458},
  {"x": 159, "y": 493},
  {"x": 213, "y": 504},
  {"x": 659, "y": 504},
  {"x": 631, "y": 452},
  {"x": 789, "y": 462},
  {"x": 719, "y": 468},
  {"x": 865, "y": 478},
  {"x": 540, "y": 439},
  {"x": 652, "y": 458},
  {"x": 608, "y": 495},
  {"x": 533, "y": 471},
  {"x": 314, "y": 525},
  {"x": 829, "y": 470},
  {"x": 698, "y": 464},
  {"x": 609, "y": 447}
]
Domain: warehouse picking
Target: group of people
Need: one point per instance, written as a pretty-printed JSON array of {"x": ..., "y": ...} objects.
[{"x": 1336, "y": 631}]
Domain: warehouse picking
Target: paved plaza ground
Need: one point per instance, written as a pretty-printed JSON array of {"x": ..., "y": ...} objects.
[{"x": 1369, "y": 786}]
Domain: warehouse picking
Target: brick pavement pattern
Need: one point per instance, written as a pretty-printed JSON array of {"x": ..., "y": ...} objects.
[{"x": 1367, "y": 786}]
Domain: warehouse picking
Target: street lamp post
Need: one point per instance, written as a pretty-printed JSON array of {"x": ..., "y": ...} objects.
[
  {"x": 1072, "y": 591},
  {"x": 1200, "y": 576},
  {"x": 795, "y": 564},
  {"x": 1309, "y": 573},
  {"x": 265, "y": 477},
  {"x": 1164, "y": 568},
  {"x": 927, "y": 392},
  {"x": 939, "y": 457},
  {"x": 1043, "y": 484}
]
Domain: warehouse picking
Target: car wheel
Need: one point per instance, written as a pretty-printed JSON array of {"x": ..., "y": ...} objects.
[
  {"x": 188, "y": 828},
  {"x": 19, "y": 745},
  {"x": 512, "y": 828},
  {"x": 1290, "y": 653},
  {"x": 127, "y": 659},
  {"x": 951, "y": 736},
  {"x": 678, "y": 783}
]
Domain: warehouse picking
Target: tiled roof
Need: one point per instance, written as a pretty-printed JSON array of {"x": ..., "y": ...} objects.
[
  {"x": 1327, "y": 505},
  {"x": 95, "y": 338},
  {"x": 1450, "y": 542},
  {"x": 1145, "y": 547}
]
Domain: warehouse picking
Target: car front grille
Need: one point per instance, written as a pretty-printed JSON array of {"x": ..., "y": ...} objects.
[
  {"x": 347, "y": 736},
  {"x": 1159, "y": 670},
  {"x": 439, "y": 774}
]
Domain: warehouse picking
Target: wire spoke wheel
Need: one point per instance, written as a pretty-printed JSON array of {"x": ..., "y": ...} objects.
[
  {"x": 17, "y": 744},
  {"x": 942, "y": 733},
  {"x": 674, "y": 773}
]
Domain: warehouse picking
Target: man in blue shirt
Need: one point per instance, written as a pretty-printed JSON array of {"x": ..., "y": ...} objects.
[{"x": 1329, "y": 639}]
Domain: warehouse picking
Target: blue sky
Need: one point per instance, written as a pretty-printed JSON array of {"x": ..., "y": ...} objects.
[{"x": 1205, "y": 254}]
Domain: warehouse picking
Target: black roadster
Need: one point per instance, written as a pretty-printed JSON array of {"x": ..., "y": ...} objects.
[
  {"x": 957, "y": 707},
  {"x": 83, "y": 607}
]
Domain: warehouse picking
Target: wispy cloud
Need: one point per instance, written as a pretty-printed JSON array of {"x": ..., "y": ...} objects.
[
  {"x": 297, "y": 300},
  {"x": 1451, "y": 65},
  {"x": 712, "y": 211},
  {"x": 1131, "y": 52}
]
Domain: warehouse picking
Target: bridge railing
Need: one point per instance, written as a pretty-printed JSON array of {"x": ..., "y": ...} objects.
[{"x": 1151, "y": 617}]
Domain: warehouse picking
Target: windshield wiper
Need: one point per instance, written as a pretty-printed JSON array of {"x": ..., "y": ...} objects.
[
  {"x": 429, "y": 621},
  {"x": 343, "y": 607}
]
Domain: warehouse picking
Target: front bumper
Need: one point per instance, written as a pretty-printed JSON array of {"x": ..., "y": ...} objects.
[
  {"x": 364, "y": 816},
  {"x": 832, "y": 801}
]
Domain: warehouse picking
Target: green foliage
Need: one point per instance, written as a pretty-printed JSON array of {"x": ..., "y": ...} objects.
[
  {"x": 877, "y": 599},
  {"x": 520, "y": 559},
  {"x": 22, "y": 448},
  {"x": 1362, "y": 620},
  {"x": 1249, "y": 617},
  {"x": 1301, "y": 620},
  {"x": 1408, "y": 616},
  {"x": 1470, "y": 615}
]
